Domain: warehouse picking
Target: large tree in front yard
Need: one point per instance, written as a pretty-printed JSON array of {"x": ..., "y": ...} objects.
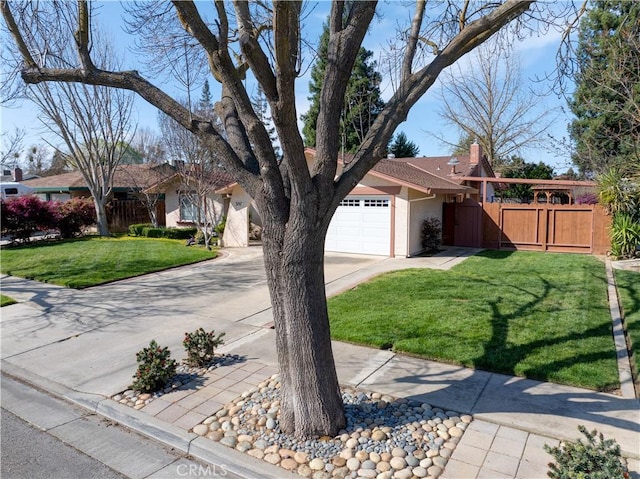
[{"x": 263, "y": 42}]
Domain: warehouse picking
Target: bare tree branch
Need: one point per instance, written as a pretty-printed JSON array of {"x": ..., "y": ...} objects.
[
  {"x": 489, "y": 104},
  {"x": 12, "y": 143}
]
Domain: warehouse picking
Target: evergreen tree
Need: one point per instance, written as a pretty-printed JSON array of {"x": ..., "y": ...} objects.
[
  {"x": 362, "y": 104},
  {"x": 205, "y": 104},
  {"x": 205, "y": 97},
  {"x": 402, "y": 147},
  {"x": 261, "y": 107},
  {"x": 606, "y": 101},
  {"x": 464, "y": 144},
  {"x": 516, "y": 167}
]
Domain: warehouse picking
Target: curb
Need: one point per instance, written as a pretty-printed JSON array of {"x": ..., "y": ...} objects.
[
  {"x": 205, "y": 450},
  {"x": 627, "y": 388}
]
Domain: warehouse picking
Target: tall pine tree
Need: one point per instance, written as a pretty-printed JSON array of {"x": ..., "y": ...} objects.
[
  {"x": 606, "y": 102},
  {"x": 362, "y": 101},
  {"x": 261, "y": 107},
  {"x": 402, "y": 147}
]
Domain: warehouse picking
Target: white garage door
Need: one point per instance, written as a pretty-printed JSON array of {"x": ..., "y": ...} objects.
[{"x": 361, "y": 224}]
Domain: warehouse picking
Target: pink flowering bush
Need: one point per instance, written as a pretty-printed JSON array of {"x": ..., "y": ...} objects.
[
  {"x": 587, "y": 199},
  {"x": 23, "y": 216},
  {"x": 74, "y": 215}
]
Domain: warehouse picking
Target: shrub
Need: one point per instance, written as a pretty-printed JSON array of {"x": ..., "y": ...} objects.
[
  {"x": 587, "y": 199},
  {"x": 155, "y": 368},
  {"x": 180, "y": 233},
  {"x": 23, "y": 216},
  {"x": 595, "y": 459},
  {"x": 136, "y": 229},
  {"x": 219, "y": 229},
  {"x": 151, "y": 232},
  {"x": 200, "y": 346},
  {"x": 619, "y": 192},
  {"x": 625, "y": 236},
  {"x": 74, "y": 215},
  {"x": 431, "y": 234}
]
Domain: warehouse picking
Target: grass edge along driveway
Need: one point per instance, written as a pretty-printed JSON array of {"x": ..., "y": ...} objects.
[
  {"x": 542, "y": 316},
  {"x": 628, "y": 285},
  {"x": 92, "y": 260},
  {"x": 6, "y": 300}
]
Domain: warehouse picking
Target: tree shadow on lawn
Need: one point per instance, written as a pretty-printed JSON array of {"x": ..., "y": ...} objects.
[
  {"x": 501, "y": 357},
  {"x": 493, "y": 394}
]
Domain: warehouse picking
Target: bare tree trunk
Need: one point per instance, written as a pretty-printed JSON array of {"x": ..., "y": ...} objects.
[
  {"x": 102, "y": 222},
  {"x": 311, "y": 403}
]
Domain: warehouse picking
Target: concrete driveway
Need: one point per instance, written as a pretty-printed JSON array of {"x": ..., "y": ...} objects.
[{"x": 87, "y": 340}]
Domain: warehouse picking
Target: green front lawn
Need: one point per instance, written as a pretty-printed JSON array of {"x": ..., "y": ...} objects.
[
  {"x": 90, "y": 261},
  {"x": 6, "y": 300},
  {"x": 628, "y": 284},
  {"x": 536, "y": 315}
]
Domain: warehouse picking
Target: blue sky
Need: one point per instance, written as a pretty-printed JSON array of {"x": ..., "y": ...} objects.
[{"x": 536, "y": 54}]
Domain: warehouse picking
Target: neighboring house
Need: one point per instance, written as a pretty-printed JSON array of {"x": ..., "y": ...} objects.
[
  {"x": 128, "y": 181},
  {"x": 181, "y": 203},
  {"x": 383, "y": 215},
  {"x": 128, "y": 204}
]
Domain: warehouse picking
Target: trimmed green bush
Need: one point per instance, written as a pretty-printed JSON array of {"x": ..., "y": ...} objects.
[
  {"x": 200, "y": 346},
  {"x": 136, "y": 229},
  {"x": 147, "y": 230},
  {"x": 155, "y": 368},
  {"x": 180, "y": 233},
  {"x": 152, "y": 232},
  {"x": 596, "y": 459}
]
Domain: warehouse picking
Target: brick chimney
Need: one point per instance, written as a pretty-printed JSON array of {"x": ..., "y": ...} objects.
[
  {"x": 475, "y": 153},
  {"x": 17, "y": 174}
]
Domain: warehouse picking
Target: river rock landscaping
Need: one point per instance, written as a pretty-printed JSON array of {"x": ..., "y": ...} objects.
[{"x": 385, "y": 437}]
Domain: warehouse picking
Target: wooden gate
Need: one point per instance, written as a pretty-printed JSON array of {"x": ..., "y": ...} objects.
[
  {"x": 544, "y": 227},
  {"x": 463, "y": 223}
]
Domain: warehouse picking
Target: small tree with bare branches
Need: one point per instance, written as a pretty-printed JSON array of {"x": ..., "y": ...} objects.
[{"x": 93, "y": 121}]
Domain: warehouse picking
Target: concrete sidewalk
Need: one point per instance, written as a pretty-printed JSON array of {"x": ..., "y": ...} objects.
[{"x": 81, "y": 345}]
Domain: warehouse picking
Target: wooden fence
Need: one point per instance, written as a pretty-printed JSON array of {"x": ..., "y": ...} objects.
[
  {"x": 122, "y": 213},
  {"x": 544, "y": 227}
]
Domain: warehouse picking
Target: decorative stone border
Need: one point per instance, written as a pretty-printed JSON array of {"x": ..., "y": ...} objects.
[{"x": 385, "y": 437}]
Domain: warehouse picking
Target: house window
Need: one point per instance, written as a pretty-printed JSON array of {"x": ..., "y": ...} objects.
[
  {"x": 350, "y": 202},
  {"x": 188, "y": 209}
]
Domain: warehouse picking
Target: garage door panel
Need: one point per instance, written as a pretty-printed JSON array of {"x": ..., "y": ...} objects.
[{"x": 361, "y": 225}]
